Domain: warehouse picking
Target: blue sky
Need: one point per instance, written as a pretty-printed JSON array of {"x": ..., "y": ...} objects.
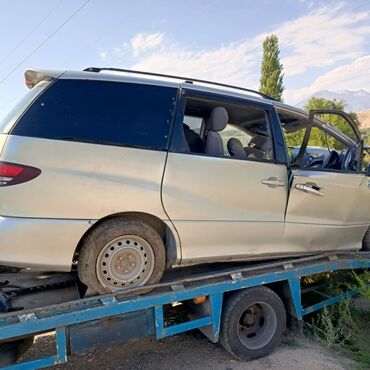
[{"x": 324, "y": 44}]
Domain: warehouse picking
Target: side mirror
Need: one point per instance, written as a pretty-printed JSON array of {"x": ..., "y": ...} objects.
[{"x": 367, "y": 170}]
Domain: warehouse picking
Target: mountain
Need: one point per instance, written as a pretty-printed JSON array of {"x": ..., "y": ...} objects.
[
  {"x": 355, "y": 100},
  {"x": 364, "y": 118}
]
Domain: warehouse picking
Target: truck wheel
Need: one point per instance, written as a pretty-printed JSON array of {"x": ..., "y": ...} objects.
[
  {"x": 366, "y": 241},
  {"x": 253, "y": 323},
  {"x": 121, "y": 253}
]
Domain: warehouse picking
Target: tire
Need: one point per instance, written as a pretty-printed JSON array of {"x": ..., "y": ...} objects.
[
  {"x": 253, "y": 323},
  {"x": 121, "y": 253},
  {"x": 366, "y": 241}
]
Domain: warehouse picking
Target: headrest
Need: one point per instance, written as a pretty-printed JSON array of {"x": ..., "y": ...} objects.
[
  {"x": 218, "y": 119},
  {"x": 235, "y": 148}
]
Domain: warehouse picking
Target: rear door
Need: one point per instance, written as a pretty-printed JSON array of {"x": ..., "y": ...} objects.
[
  {"x": 328, "y": 208},
  {"x": 225, "y": 208}
]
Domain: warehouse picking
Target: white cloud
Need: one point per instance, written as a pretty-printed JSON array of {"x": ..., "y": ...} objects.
[
  {"x": 142, "y": 42},
  {"x": 309, "y": 3},
  {"x": 231, "y": 63},
  {"x": 352, "y": 76},
  {"x": 324, "y": 37}
]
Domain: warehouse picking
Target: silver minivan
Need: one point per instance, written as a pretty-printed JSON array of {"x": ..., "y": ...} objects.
[{"x": 124, "y": 175}]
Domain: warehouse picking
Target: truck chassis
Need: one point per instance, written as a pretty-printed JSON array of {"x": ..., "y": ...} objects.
[{"x": 88, "y": 323}]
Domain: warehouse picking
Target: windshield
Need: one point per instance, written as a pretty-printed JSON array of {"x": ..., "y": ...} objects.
[{"x": 8, "y": 121}]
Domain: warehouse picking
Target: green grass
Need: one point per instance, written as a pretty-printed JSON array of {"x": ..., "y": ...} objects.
[
  {"x": 358, "y": 346},
  {"x": 345, "y": 326}
]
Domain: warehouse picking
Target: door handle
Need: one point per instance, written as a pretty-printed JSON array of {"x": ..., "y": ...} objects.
[
  {"x": 273, "y": 182},
  {"x": 310, "y": 188}
]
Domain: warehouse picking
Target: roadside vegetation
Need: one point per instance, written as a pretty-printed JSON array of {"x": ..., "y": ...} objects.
[
  {"x": 318, "y": 137},
  {"x": 366, "y": 135},
  {"x": 346, "y": 325}
]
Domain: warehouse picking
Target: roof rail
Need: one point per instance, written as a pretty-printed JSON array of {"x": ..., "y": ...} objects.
[{"x": 185, "y": 79}]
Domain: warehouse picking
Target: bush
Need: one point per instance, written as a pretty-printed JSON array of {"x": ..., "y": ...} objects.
[
  {"x": 333, "y": 324},
  {"x": 363, "y": 284},
  {"x": 343, "y": 325}
]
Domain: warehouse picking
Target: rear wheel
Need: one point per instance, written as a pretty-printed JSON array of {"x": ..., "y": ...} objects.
[
  {"x": 366, "y": 241},
  {"x": 121, "y": 253},
  {"x": 253, "y": 323}
]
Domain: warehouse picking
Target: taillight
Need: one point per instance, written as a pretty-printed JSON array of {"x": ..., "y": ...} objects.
[{"x": 14, "y": 173}]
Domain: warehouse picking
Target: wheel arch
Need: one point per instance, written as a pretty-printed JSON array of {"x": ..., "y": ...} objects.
[{"x": 168, "y": 234}]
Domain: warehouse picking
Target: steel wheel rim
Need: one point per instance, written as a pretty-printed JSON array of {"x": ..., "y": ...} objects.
[
  {"x": 125, "y": 261},
  {"x": 257, "y": 325}
]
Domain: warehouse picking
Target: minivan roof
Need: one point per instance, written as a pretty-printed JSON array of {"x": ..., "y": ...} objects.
[{"x": 34, "y": 76}]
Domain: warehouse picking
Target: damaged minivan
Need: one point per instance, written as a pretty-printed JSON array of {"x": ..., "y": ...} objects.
[{"x": 123, "y": 175}]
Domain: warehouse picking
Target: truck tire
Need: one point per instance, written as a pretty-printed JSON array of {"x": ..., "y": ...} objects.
[
  {"x": 253, "y": 323},
  {"x": 121, "y": 253},
  {"x": 366, "y": 241}
]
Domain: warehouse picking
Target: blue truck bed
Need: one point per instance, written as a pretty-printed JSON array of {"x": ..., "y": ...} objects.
[{"x": 94, "y": 322}]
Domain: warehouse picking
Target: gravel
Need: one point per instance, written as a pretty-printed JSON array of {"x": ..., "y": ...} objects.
[{"x": 193, "y": 351}]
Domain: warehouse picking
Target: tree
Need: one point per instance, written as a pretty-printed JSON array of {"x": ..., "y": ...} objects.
[
  {"x": 322, "y": 103},
  {"x": 335, "y": 120},
  {"x": 318, "y": 137},
  {"x": 366, "y": 136},
  {"x": 271, "y": 81}
]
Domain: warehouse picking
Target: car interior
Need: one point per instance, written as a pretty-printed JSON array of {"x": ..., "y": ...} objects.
[
  {"x": 323, "y": 150},
  {"x": 226, "y": 130}
]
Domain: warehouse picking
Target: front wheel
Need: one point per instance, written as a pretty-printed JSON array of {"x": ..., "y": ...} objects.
[
  {"x": 253, "y": 322},
  {"x": 121, "y": 253}
]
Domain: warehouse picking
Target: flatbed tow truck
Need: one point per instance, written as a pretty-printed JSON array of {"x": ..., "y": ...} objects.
[{"x": 32, "y": 303}]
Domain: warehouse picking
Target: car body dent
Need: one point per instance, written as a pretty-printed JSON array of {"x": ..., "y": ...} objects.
[{"x": 336, "y": 220}]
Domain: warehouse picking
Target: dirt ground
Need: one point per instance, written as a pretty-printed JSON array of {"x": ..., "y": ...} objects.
[{"x": 193, "y": 351}]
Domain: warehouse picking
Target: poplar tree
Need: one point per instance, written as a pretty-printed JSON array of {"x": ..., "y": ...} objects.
[{"x": 271, "y": 81}]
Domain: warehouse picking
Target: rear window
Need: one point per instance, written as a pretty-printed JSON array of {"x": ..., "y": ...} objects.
[
  {"x": 101, "y": 112},
  {"x": 8, "y": 120}
]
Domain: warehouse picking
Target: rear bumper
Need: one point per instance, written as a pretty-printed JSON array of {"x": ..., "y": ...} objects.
[{"x": 43, "y": 244}]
